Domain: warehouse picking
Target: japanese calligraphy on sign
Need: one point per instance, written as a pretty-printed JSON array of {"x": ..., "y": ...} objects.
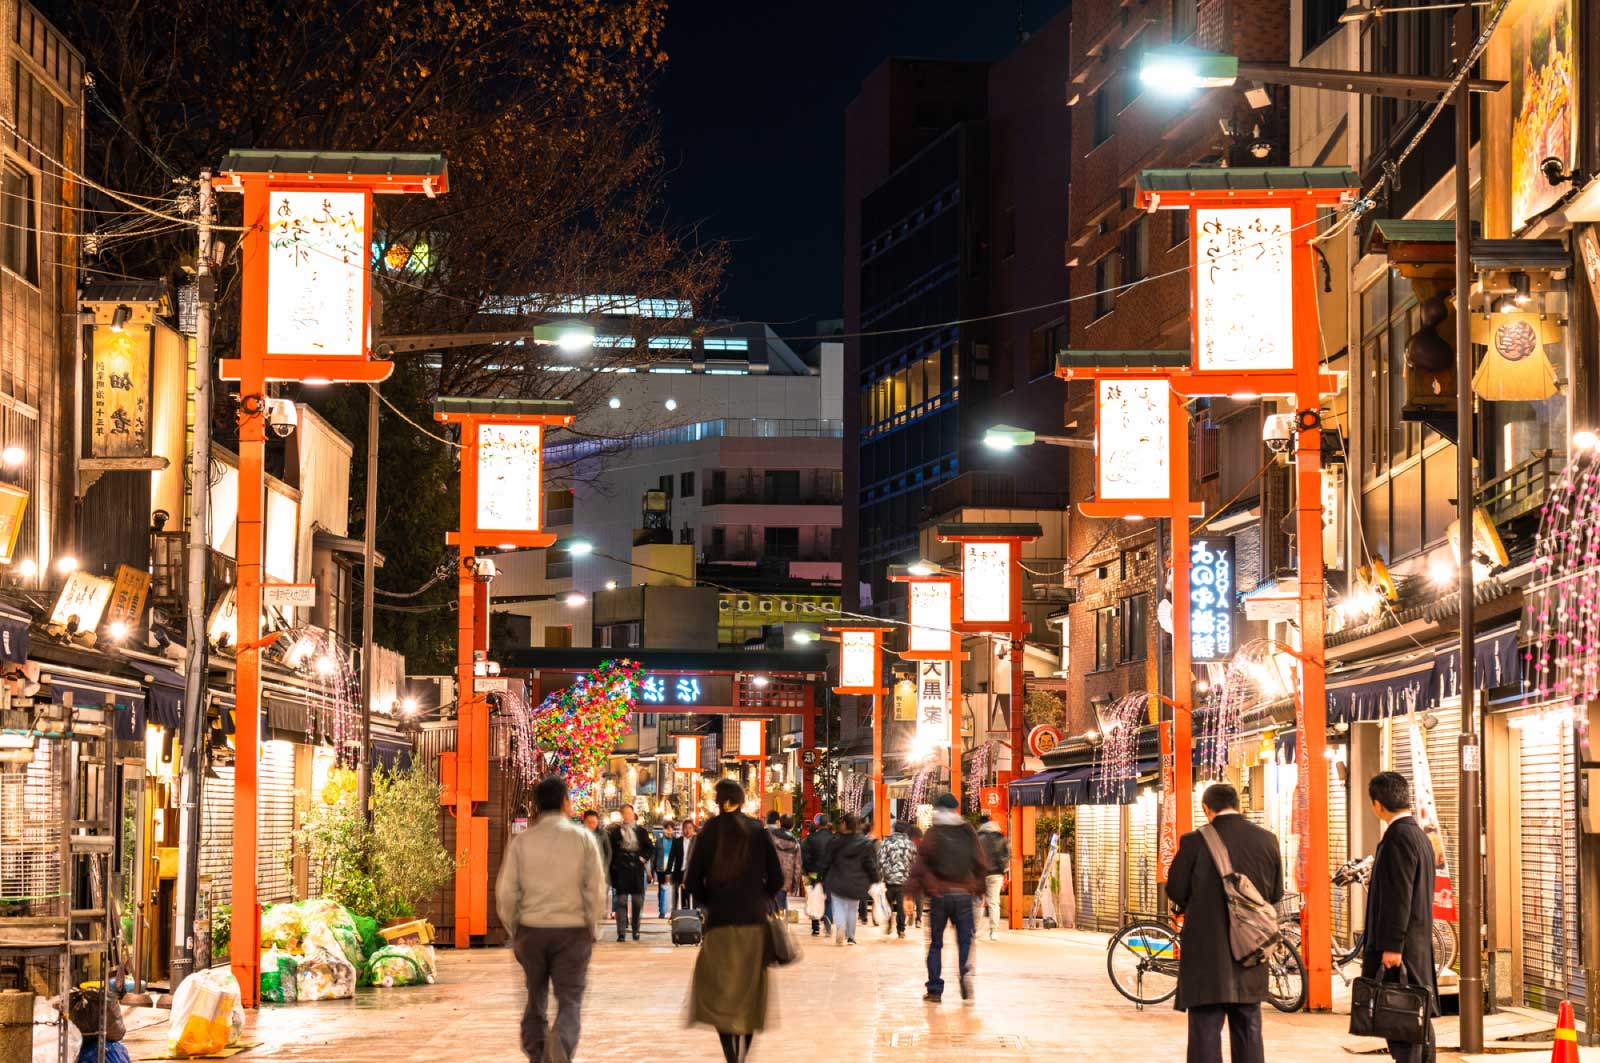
[
  {"x": 317, "y": 273},
  {"x": 858, "y": 660},
  {"x": 656, "y": 689},
  {"x": 508, "y": 477},
  {"x": 13, "y": 504},
  {"x": 930, "y": 616},
  {"x": 1133, "y": 426},
  {"x": 119, "y": 392},
  {"x": 83, "y": 599},
  {"x": 128, "y": 596},
  {"x": 1243, "y": 289},
  {"x": 986, "y": 583},
  {"x": 933, "y": 704},
  {"x": 1211, "y": 594}
]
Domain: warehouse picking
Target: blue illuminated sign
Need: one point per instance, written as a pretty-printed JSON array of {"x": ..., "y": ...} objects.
[
  {"x": 1211, "y": 594},
  {"x": 660, "y": 690}
]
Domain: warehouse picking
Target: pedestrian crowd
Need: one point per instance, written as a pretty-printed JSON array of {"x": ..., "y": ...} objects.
[{"x": 728, "y": 886}]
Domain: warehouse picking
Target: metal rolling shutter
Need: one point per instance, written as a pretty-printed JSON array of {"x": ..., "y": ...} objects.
[
  {"x": 1550, "y": 968},
  {"x": 1144, "y": 832},
  {"x": 1339, "y": 849},
  {"x": 275, "y": 821},
  {"x": 1443, "y": 745},
  {"x": 1099, "y": 853},
  {"x": 216, "y": 832}
]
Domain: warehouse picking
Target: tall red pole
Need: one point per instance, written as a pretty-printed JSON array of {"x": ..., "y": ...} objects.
[
  {"x": 880, "y": 795},
  {"x": 1018, "y": 703},
  {"x": 1182, "y": 796},
  {"x": 471, "y": 717}
]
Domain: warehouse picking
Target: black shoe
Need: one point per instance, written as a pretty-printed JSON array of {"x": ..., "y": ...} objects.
[
  {"x": 902, "y": 933},
  {"x": 932, "y": 998},
  {"x": 621, "y": 938},
  {"x": 816, "y": 933},
  {"x": 636, "y": 937},
  {"x": 966, "y": 987}
]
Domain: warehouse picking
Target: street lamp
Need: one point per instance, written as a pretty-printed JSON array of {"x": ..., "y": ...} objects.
[
  {"x": 1178, "y": 70},
  {"x": 576, "y": 547},
  {"x": 921, "y": 567},
  {"x": 1009, "y": 437}
]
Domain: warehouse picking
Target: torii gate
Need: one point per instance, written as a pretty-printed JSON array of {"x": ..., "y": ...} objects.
[{"x": 1253, "y": 326}]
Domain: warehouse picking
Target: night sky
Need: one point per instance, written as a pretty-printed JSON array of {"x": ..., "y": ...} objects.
[{"x": 753, "y": 105}]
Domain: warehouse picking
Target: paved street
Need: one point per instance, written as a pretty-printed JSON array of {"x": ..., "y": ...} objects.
[{"x": 1041, "y": 996}]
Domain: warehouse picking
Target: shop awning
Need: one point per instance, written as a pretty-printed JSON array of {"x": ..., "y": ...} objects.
[
  {"x": 1037, "y": 789},
  {"x": 165, "y": 689},
  {"x": 1496, "y": 662},
  {"x": 13, "y": 635},
  {"x": 1079, "y": 786},
  {"x": 98, "y": 691},
  {"x": 1377, "y": 691}
]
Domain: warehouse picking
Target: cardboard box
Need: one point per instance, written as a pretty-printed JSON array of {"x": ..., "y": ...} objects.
[{"x": 413, "y": 932}]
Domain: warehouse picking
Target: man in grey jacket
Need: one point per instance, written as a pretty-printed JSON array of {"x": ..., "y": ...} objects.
[{"x": 551, "y": 895}]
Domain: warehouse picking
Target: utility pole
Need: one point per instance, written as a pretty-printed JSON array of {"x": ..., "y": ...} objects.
[
  {"x": 197, "y": 660},
  {"x": 1470, "y": 888},
  {"x": 368, "y": 591}
]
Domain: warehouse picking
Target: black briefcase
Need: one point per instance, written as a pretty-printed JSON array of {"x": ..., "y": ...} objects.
[{"x": 1390, "y": 1009}]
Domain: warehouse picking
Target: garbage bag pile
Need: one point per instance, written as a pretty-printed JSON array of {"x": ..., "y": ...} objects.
[{"x": 318, "y": 950}]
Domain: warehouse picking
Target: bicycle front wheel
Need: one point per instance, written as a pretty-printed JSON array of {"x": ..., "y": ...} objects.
[
  {"x": 1142, "y": 961},
  {"x": 1286, "y": 977},
  {"x": 1444, "y": 944}
]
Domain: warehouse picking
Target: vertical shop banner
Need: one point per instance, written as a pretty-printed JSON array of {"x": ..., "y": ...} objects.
[
  {"x": 858, "y": 660},
  {"x": 509, "y": 497},
  {"x": 930, "y": 617},
  {"x": 986, "y": 583},
  {"x": 1422, "y": 804},
  {"x": 1211, "y": 599},
  {"x": 128, "y": 594},
  {"x": 933, "y": 698},
  {"x": 1243, "y": 289},
  {"x": 1133, "y": 436},
  {"x": 119, "y": 392},
  {"x": 1167, "y": 848},
  {"x": 13, "y": 504},
  {"x": 317, "y": 274}
]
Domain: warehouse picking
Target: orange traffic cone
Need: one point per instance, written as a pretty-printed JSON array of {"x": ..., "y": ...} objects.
[{"x": 1566, "y": 1049}]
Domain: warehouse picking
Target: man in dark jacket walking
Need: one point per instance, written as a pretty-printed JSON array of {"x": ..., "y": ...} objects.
[
  {"x": 1212, "y": 985},
  {"x": 949, "y": 870},
  {"x": 813, "y": 861},
  {"x": 632, "y": 849},
  {"x": 1400, "y": 903}
]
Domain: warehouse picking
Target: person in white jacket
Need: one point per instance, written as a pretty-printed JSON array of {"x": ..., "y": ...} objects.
[{"x": 551, "y": 896}]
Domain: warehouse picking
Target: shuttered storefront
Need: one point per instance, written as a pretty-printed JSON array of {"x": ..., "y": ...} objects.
[
  {"x": 1144, "y": 833},
  {"x": 275, "y": 821},
  {"x": 1098, "y": 858},
  {"x": 1549, "y": 909},
  {"x": 1339, "y": 849}
]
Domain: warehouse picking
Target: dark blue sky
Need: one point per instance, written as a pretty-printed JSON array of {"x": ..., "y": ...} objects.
[{"x": 753, "y": 107}]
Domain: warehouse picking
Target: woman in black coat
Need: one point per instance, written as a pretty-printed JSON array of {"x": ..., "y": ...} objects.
[
  {"x": 850, "y": 869},
  {"x": 733, "y": 873}
]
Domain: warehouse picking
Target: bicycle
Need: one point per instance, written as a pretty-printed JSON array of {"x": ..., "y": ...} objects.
[
  {"x": 1142, "y": 960},
  {"x": 1358, "y": 872}
]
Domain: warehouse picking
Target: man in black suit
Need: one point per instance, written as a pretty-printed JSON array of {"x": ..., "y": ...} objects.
[
  {"x": 1400, "y": 903},
  {"x": 1212, "y": 986}
]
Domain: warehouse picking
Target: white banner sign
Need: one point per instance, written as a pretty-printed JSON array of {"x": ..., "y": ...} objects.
[
  {"x": 933, "y": 704},
  {"x": 1133, "y": 445},
  {"x": 317, "y": 273},
  {"x": 1427, "y": 813},
  {"x": 509, "y": 477},
  {"x": 284, "y": 594},
  {"x": 752, "y": 739},
  {"x": 986, "y": 583},
  {"x": 688, "y": 752},
  {"x": 1244, "y": 289},
  {"x": 930, "y": 616},
  {"x": 858, "y": 660}
]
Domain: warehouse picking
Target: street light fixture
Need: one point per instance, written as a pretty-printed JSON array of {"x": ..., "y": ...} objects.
[
  {"x": 577, "y": 547},
  {"x": 1179, "y": 70},
  {"x": 804, "y": 636},
  {"x": 1009, "y": 437},
  {"x": 920, "y": 568},
  {"x": 575, "y": 600}
]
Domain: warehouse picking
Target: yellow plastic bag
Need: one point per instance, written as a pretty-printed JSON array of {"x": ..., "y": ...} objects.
[{"x": 207, "y": 1015}]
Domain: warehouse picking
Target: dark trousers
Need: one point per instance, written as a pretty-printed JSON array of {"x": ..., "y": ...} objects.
[
  {"x": 624, "y": 902},
  {"x": 558, "y": 958},
  {"x": 1412, "y": 1052},
  {"x": 1244, "y": 1033},
  {"x": 896, "y": 894},
  {"x": 955, "y": 909}
]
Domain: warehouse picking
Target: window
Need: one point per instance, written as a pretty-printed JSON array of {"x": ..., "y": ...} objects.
[
  {"x": 557, "y": 564},
  {"x": 1135, "y": 250},
  {"x": 20, "y": 241},
  {"x": 664, "y": 485},
  {"x": 782, "y": 542},
  {"x": 1105, "y": 622},
  {"x": 1130, "y": 85},
  {"x": 1134, "y": 620},
  {"x": 686, "y": 485},
  {"x": 1183, "y": 19},
  {"x": 1104, "y": 114},
  {"x": 719, "y": 537},
  {"x": 1320, "y": 18},
  {"x": 1107, "y": 276},
  {"x": 558, "y": 508},
  {"x": 1043, "y": 346},
  {"x": 783, "y": 487},
  {"x": 1179, "y": 220},
  {"x": 558, "y": 637}
]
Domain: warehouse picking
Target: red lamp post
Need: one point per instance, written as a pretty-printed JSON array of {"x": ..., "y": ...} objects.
[
  {"x": 306, "y": 316},
  {"x": 502, "y": 504},
  {"x": 861, "y": 674},
  {"x": 935, "y": 603}
]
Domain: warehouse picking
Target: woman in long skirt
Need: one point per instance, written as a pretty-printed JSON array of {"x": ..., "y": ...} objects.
[{"x": 733, "y": 874}]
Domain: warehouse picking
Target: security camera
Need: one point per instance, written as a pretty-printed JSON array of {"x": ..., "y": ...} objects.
[
  {"x": 282, "y": 417},
  {"x": 1555, "y": 172},
  {"x": 1277, "y": 432}
]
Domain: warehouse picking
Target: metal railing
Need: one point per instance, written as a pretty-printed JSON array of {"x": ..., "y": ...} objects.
[{"x": 1522, "y": 489}]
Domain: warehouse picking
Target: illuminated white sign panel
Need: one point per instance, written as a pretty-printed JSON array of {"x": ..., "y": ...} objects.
[
  {"x": 688, "y": 752},
  {"x": 1244, "y": 289},
  {"x": 933, "y": 705},
  {"x": 1134, "y": 429},
  {"x": 858, "y": 660},
  {"x": 752, "y": 739},
  {"x": 317, "y": 273},
  {"x": 930, "y": 617},
  {"x": 986, "y": 583},
  {"x": 1211, "y": 592},
  {"x": 508, "y": 477}
]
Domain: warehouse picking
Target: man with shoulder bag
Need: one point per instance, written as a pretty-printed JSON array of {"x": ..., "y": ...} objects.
[
  {"x": 1224, "y": 880},
  {"x": 1398, "y": 990}
]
